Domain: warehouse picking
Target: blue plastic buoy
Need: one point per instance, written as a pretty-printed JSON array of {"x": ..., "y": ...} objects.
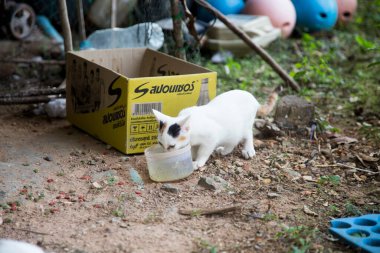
[
  {"x": 316, "y": 15},
  {"x": 224, "y": 6}
]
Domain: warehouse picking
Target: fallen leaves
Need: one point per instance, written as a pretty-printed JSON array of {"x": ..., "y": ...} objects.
[{"x": 308, "y": 211}]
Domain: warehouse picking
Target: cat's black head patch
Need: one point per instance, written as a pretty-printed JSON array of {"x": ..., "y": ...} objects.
[{"x": 174, "y": 130}]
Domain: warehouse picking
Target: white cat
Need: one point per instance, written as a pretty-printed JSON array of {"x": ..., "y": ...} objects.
[
  {"x": 11, "y": 246},
  {"x": 220, "y": 125}
]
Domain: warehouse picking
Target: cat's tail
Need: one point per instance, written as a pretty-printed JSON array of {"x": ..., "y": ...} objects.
[{"x": 267, "y": 108}]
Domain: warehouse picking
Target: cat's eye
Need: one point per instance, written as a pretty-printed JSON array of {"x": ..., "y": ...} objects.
[
  {"x": 171, "y": 146},
  {"x": 160, "y": 144}
]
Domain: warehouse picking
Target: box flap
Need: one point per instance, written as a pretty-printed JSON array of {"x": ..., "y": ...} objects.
[
  {"x": 124, "y": 61},
  {"x": 159, "y": 64}
]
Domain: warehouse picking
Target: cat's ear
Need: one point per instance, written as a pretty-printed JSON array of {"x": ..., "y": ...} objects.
[
  {"x": 160, "y": 116},
  {"x": 184, "y": 122}
]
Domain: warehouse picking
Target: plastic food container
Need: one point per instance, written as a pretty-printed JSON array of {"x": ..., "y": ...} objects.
[{"x": 168, "y": 166}]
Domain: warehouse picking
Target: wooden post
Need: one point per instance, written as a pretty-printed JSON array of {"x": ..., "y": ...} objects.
[
  {"x": 261, "y": 52},
  {"x": 65, "y": 25},
  {"x": 177, "y": 30}
]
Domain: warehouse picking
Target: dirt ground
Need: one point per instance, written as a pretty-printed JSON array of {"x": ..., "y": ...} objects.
[{"x": 48, "y": 196}]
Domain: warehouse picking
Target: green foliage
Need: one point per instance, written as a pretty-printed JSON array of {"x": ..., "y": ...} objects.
[
  {"x": 300, "y": 237},
  {"x": 118, "y": 212},
  {"x": 205, "y": 245},
  {"x": 333, "y": 180},
  {"x": 363, "y": 43},
  {"x": 371, "y": 132},
  {"x": 351, "y": 210}
]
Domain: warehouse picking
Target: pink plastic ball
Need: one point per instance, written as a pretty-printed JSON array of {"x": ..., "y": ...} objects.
[
  {"x": 281, "y": 13},
  {"x": 346, "y": 9}
]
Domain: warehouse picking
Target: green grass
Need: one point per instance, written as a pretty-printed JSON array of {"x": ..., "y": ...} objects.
[
  {"x": 299, "y": 237},
  {"x": 335, "y": 69}
]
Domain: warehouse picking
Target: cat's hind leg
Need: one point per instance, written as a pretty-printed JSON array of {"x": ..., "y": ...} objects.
[{"x": 248, "y": 149}]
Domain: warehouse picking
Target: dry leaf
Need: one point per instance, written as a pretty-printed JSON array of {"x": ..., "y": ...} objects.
[
  {"x": 344, "y": 140},
  {"x": 358, "y": 178},
  {"x": 368, "y": 158},
  {"x": 308, "y": 211}
]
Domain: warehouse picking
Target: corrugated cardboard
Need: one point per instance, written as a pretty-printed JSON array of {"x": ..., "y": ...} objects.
[{"x": 111, "y": 93}]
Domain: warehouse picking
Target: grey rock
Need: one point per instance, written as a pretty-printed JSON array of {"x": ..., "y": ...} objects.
[
  {"x": 47, "y": 158},
  {"x": 267, "y": 128},
  {"x": 292, "y": 173},
  {"x": 91, "y": 162},
  {"x": 169, "y": 188},
  {"x": 213, "y": 183},
  {"x": 293, "y": 112}
]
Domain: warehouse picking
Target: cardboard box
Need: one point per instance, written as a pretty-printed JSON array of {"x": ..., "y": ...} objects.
[{"x": 111, "y": 93}]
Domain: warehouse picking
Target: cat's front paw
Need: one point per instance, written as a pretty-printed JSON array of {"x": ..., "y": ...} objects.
[
  {"x": 219, "y": 150},
  {"x": 197, "y": 165},
  {"x": 247, "y": 154}
]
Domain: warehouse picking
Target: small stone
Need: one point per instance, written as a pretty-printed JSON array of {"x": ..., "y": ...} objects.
[
  {"x": 213, "y": 183},
  {"x": 91, "y": 162},
  {"x": 308, "y": 178},
  {"x": 169, "y": 188},
  {"x": 116, "y": 220},
  {"x": 135, "y": 177},
  {"x": 239, "y": 171},
  {"x": 96, "y": 185},
  {"x": 238, "y": 164},
  {"x": 207, "y": 183},
  {"x": 124, "y": 225},
  {"x": 292, "y": 173},
  {"x": 108, "y": 147},
  {"x": 267, "y": 181},
  {"x": 124, "y": 159},
  {"x": 47, "y": 158},
  {"x": 273, "y": 195}
]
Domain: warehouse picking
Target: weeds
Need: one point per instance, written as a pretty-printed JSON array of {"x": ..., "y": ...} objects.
[
  {"x": 332, "y": 180},
  {"x": 206, "y": 246},
  {"x": 300, "y": 237}
]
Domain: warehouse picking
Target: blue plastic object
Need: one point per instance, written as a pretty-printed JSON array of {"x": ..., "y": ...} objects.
[
  {"x": 49, "y": 30},
  {"x": 224, "y": 6},
  {"x": 362, "y": 232},
  {"x": 316, "y": 15}
]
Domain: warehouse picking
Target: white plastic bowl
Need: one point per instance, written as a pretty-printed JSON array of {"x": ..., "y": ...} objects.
[{"x": 168, "y": 166}]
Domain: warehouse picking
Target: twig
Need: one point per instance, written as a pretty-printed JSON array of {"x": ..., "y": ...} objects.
[
  {"x": 29, "y": 61},
  {"x": 177, "y": 29},
  {"x": 261, "y": 52},
  {"x": 31, "y": 231},
  {"x": 24, "y": 100},
  {"x": 191, "y": 21},
  {"x": 29, "y": 93},
  {"x": 65, "y": 25},
  {"x": 209, "y": 211},
  {"x": 345, "y": 166}
]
